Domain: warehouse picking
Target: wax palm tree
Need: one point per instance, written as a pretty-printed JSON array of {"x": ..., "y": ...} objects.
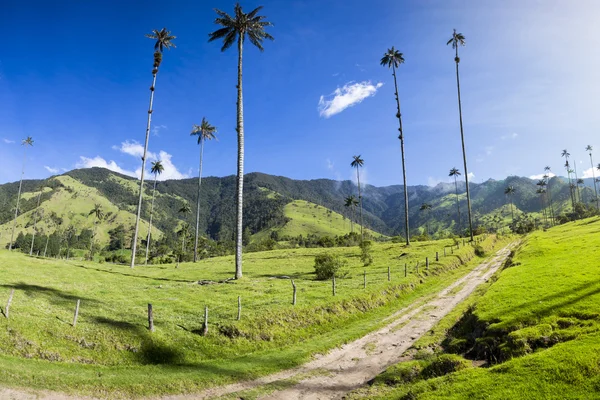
[
  {"x": 510, "y": 191},
  {"x": 576, "y": 179},
  {"x": 566, "y": 155},
  {"x": 358, "y": 162},
  {"x": 541, "y": 191},
  {"x": 589, "y": 149},
  {"x": 351, "y": 203},
  {"x": 458, "y": 39},
  {"x": 426, "y": 208},
  {"x": 547, "y": 171},
  {"x": 455, "y": 173},
  {"x": 25, "y": 143},
  {"x": 579, "y": 182},
  {"x": 392, "y": 59},
  {"x": 237, "y": 28},
  {"x": 35, "y": 220},
  {"x": 99, "y": 214},
  {"x": 184, "y": 210},
  {"x": 164, "y": 40},
  {"x": 204, "y": 131},
  {"x": 157, "y": 169}
]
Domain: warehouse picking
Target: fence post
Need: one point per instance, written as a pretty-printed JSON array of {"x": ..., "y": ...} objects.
[
  {"x": 150, "y": 318},
  {"x": 427, "y": 263},
  {"x": 76, "y": 313},
  {"x": 437, "y": 256},
  {"x": 239, "y": 308},
  {"x": 205, "y": 324},
  {"x": 333, "y": 285},
  {"x": 389, "y": 274},
  {"x": 7, "y": 309},
  {"x": 365, "y": 279},
  {"x": 417, "y": 267},
  {"x": 294, "y": 293},
  {"x": 405, "y": 270}
]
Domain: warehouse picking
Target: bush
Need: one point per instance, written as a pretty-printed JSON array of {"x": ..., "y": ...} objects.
[
  {"x": 327, "y": 266},
  {"x": 479, "y": 251},
  {"x": 365, "y": 252}
]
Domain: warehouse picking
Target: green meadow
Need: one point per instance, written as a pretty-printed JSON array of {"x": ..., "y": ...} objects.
[
  {"x": 533, "y": 333},
  {"x": 111, "y": 352}
]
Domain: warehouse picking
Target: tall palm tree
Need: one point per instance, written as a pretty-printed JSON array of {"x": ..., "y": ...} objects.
[
  {"x": 547, "y": 171},
  {"x": 566, "y": 155},
  {"x": 510, "y": 191},
  {"x": 358, "y": 162},
  {"x": 99, "y": 214},
  {"x": 184, "y": 210},
  {"x": 157, "y": 169},
  {"x": 455, "y": 172},
  {"x": 204, "y": 131},
  {"x": 163, "y": 41},
  {"x": 237, "y": 28},
  {"x": 393, "y": 58},
  {"x": 576, "y": 181},
  {"x": 35, "y": 220},
  {"x": 589, "y": 149},
  {"x": 458, "y": 39},
  {"x": 426, "y": 208},
  {"x": 25, "y": 142},
  {"x": 579, "y": 182},
  {"x": 351, "y": 203},
  {"x": 542, "y": 191}
]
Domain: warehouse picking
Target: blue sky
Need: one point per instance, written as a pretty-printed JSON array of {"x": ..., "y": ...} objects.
[{"x": 75, "y": 76}]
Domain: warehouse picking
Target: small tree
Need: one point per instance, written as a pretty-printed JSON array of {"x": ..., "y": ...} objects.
[
  {"x": 327, "y": 266},
  {"x": 365, "y": 252}
]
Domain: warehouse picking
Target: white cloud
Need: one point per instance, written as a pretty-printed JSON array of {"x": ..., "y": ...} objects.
[
  {"x": 513, "y": 135},
  {"x": 8, "y": 141},
  {"x": 431, "y": 181},
  {"x": 471, "y": 176},
  {"x": 85, "y": 162},
  {"x": 590, "y": 173},
  {"x": 541, "y": 176},
  {"x": 51, "y": 170},
  {"x": 363, "y": 177},
  {"x": 170, "y": 171},
  {"x": 157, "y": 129},
  {"x": 133, "y": 148},
  {"x": 346, "y": 96}
]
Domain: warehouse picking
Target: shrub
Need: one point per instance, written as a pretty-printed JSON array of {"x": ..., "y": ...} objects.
[
  {"x": 365, "y": 252},
  {"x": 479, "y": 251},
  {"x": 327, "y": 266}
]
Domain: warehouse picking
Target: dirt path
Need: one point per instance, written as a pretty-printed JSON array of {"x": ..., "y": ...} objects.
[
  {"x": 349, "y": 366},
  {"x": 352, "y": 365}
]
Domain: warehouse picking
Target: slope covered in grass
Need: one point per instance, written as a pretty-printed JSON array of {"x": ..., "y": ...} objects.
[
  {"x": 538, "y": 326},
  {"x": 111, "y": 351}
]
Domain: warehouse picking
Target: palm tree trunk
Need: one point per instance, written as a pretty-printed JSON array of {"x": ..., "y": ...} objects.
[
  {"x": 512, "y": 211},
  {"x": 35, "y": 223},
  {"x": 462, "y": 140},
  {"x": 551, "y": 204},
  {"x": 12, "y": 235},
  {"x": 46, "y": 247},
  {"x": 571, "y": 191},
  {"x": 92, "y": 242},
  {"x": 240, "y": 166},
  {"x": 139, "y": 208},
  {"x": 457, "y": 203},
  {"x": 360, "y": 204},
  {"x": 150, "y": 222},
  {"x": 576, "y": 182},
  {"x": 401, "y": 137},
  {"x": 198, "y": 205},
  {"x": 594, "y": 178}
]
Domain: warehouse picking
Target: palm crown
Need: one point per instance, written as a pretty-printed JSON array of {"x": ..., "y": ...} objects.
[
  {"x": 510, "y": 190},
  {"x": 204, "y": 131},
  {"x": 97, "y": 211},
  {"x": 588, "y": 148},
  {"x": 454, "y": 172},
  {"x": 157, "y": 167},
  {"x": 240, "y": 25},
  {"x": 350, "y": 201},
  {"x": 457, "y": 39},
  {"x": 425, "y": 207},
  {"x": 163, "y": 39},
  {"x": 392, "y": 58},
  {"x": 27, "y": 142},
  {"x": 185, "y": 209},
  {"x": 357, "y": 161},
  {"x": 565, "y": 153}
]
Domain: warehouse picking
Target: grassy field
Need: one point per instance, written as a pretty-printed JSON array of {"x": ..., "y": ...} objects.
[
  {"x": 309, "y": 218},
  {"x": 537, "y": 328},
  {"x": 111, "y": 352}
]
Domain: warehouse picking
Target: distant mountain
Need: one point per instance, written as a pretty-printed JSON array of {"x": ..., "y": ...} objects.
[{"x": 67, "y": 199}]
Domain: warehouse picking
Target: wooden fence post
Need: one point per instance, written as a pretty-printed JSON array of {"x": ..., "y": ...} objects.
[
  {"x": 405, "y": 270},
  {"x": 7, "y": 309},
  {"x": 427, "y": 263},
  {"x": 76, "y": 313},
  {"x": 437, "y": 256},
  {"x": 333, "y": 285},
  {"x": 389, "y": 274},
  {"x": 150, "y": 318},
  {"x": 205, "y": 324},
  {"x": 365, "y": 279},
  {"x": 294, "y": 293},
  {"x": 417, "y": 267},
  {"x": 239, "y": 308}
]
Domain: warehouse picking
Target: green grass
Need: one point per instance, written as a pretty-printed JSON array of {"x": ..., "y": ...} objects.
[
  {"x": 111, "y": 352},
  {"x": 309, "y": 218},
  {"x": 538, "y": 324}
]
